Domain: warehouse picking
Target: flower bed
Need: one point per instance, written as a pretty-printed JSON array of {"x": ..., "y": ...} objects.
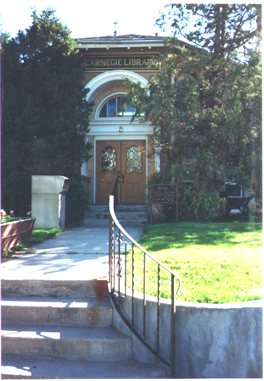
[{"x": 14, "y": 232}]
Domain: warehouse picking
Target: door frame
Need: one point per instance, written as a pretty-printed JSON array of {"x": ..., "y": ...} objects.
[{"x": 120, "y": 138}]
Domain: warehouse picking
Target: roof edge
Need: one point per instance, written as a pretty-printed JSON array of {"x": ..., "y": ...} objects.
[{"x": 121, "y": 41}]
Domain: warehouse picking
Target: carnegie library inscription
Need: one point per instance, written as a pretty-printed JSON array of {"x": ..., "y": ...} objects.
[{"x": 145, "y": 62}]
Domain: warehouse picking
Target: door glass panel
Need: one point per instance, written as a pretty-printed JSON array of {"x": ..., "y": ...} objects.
[
  {"x": 134, "y": 159},
  {"x": 109, "y": 159}
]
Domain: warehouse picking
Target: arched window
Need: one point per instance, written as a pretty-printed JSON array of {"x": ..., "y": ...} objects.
[{"x": 116, "y": 107}]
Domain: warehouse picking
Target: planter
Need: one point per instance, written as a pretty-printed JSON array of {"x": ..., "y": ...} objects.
[{"x": 12, "y": 233}]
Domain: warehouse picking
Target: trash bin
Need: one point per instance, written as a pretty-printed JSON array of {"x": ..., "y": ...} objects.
[{"x": 48, "y": 197}]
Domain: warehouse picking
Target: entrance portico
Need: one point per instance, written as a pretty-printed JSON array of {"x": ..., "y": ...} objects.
[
  {"x": 114, "y": 137},
  {"x": 119, "y": 145}
]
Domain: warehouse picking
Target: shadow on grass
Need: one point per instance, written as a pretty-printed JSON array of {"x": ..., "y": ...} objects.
[{"x": 177, "y": 235}]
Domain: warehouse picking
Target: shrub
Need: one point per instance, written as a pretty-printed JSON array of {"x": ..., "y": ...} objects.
[
  {"x": 76, "y": 201},
  {"x": 193, "y": 204},
  {"x": 5, "y": 217},
  {"x": 197, "y": 205}
]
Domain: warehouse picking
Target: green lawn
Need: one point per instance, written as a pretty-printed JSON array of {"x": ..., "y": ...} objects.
[
  {"x": 40, "y": 235},
  {"x": 37, "y": 236},
  {"x": 217, "y": 262}
]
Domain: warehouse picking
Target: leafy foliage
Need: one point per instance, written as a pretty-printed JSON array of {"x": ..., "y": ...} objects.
[
  {"x": 223, "y": 29},
  {"x": 206, "y": 105},
  {"x": 45, "y": 112},
  {"x": 77, "y": 199}
]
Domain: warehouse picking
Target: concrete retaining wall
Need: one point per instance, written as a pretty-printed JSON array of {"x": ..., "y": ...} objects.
[
  {"x": 219, "y": 340},
  {"x": 212, "y": 340}
]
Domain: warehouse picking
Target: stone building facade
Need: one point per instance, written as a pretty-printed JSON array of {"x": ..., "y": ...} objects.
[{"x": 119, "y": 145}]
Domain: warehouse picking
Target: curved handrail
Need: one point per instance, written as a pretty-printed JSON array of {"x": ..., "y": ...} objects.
[
  {"x": 118, "y": 274},
  {"x": 115, "y": 190},
  {"x": 131, "y": 239}
]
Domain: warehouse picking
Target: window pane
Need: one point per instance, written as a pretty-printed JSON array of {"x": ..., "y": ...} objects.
[
  {"x": 103, "y": 112},
  {"x": 112, "y": 108},
  {"x": 130, "y": 110},
  {"x": 116, "y": 107},
  {"x": 121, "y": 106}
]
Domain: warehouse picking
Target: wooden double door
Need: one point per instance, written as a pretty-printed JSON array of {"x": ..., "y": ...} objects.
[{"x": 126, "y": 158}]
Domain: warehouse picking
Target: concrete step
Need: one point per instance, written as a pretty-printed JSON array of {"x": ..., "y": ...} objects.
[
  {"x": 131, "y": 215},
  {"x": 49, "y": 288},
  {"x": 19, "y": 367},
  {"x": 67, "y": 311},
  {"x": 128, "y": 215},
  {"x": 100, "y": 212},
  {"x": 63, "y": 329},
  {"x": 94, "y": 222},
  {"x": 132, "y": 208},
  {"x": 70, "y": 343}
]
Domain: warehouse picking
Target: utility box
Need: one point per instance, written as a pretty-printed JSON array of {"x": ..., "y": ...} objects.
[{"x": 48, "y": 199}]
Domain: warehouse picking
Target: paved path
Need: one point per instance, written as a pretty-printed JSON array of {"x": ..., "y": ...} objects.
[{"x": 80, "y": 253}]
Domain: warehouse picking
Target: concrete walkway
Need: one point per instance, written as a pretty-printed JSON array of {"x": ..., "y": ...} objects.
[{"x": 80, "y": 253}]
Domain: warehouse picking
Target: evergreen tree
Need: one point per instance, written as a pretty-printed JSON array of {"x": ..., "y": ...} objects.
[{"x": 45, "y": 112}]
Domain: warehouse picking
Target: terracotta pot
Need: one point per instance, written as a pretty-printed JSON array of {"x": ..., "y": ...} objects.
[{"x": 12, "y": 233}]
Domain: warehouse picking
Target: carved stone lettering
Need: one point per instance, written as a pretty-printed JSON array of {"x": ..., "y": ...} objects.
[{"x": 146, "y": 62}]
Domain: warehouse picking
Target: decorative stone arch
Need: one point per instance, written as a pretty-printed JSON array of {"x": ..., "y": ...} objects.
[{"x": 114, "y": 75}]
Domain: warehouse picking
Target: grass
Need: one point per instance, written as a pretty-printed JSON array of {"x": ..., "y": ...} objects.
[
  {"x": 37, "y": 236},
  {"x": 217, "y": 262},
  {"x": 40, "y": 235}
]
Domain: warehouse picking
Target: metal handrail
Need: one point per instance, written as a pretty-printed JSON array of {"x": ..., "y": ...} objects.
[
  {"x": 121, "y": 247},
  {"x": 115, "y": 190}
]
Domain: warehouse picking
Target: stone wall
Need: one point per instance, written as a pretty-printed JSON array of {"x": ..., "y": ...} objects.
[
  {"x": 212, "y": 340},
  {"x": 219, "y": 341}
]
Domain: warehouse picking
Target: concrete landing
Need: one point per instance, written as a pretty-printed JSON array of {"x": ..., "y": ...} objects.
[
  {"x": 74, "y": 254},
  {"x": 19, "y": 367}
]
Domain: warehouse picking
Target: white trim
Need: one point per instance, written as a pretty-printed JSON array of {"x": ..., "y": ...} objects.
[
  {"x": 114, "y": 75},
  {"x": 127, "y": 131},
  {"x": 111, "y": 137}
]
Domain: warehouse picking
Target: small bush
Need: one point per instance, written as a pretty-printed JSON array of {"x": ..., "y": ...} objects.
[
  {"x": 40, "y": 235},
  {"x": 158, "y": 178},
  {"x": 197, "y": 205},
  {"x": 193, "y": 204},
  {"x": 206, "y": 207},
  {"x": 76, "y": 201}
]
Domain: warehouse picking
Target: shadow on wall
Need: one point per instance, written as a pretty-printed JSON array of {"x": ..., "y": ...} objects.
[{"x": 212, "y": 340}]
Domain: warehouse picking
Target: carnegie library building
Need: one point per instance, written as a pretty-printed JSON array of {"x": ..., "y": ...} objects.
[{"x": 120, "y": 147}]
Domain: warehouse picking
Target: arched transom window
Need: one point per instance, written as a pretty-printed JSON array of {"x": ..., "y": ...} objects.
[{"x": 116, "y": 107}]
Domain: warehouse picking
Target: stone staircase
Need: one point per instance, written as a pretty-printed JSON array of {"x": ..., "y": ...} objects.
[
  {"x": 127, "y": 214},
  {"x": 63, "y": 329}
]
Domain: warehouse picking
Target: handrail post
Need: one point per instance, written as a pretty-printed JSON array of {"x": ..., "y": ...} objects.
[
  {"x": 173, "y": 328},
  {"x": 110, "y": 249},
  {"x": 115, "y": 191}
]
